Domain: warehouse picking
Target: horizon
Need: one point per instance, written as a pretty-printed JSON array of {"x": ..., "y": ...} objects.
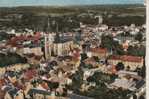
[{"x": 18, "y": 3}]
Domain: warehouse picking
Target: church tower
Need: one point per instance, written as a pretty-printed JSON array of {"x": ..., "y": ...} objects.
[{"x": 49, "y": 39}]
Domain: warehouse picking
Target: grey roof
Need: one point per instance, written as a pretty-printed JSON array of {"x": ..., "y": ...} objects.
[
  {"x": 62, "y": 40},
  {"x": 139, "y": 84},
  {"x": 10, "y": 73},
  {"x": 13, "y": 92},
  {"x": 75, "y": 96},
  {"x": 7, "y": 88},
  {"x": 38, "y": 91}
]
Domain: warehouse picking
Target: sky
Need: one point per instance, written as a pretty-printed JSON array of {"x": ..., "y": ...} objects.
[{"x": 10, "y": 3}]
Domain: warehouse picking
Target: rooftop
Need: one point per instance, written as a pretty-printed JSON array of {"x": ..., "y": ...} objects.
[
  {"x": 98, "y": 50},
  {"x": 126, "y": 58}
]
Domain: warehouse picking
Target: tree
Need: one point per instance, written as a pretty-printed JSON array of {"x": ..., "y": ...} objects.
[
  {"x": 11, "y": 58},
  {"x": 77, "y": 81},
  {"x": 109, "y": 43},
  {"x": 100, "y": 77},
  {"x": 141, "y": 71},
  {"x": 120, "y": 66},
  {"x": 96, "y": 58},
  {"x": 3, "y": 36},
  {"x": 142, "y": 97},
  {"x": 139, "y": 37},
  {"x": 89, "y": 66},
  {"x": 53, "y": 85},
  {"x": 83, "y": 56},
  {"x": 136, "y": 51}
]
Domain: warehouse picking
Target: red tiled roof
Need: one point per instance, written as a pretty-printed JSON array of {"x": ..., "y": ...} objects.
[
  {"x": 98, "y": 50},
  {"x": 127, "y": 58},
  {"x": 2, "y": 82},
  {"x": 131, "y": 58},
  {"x": 13, "y": 41},
  {"x": 29, "y": 74},
  {"x": 115, "y": 57},
  {"x": 37, "y": 36}
]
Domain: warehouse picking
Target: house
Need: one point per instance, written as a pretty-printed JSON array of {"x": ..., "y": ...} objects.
[
  {"x": 124, "y": 73},
  {"x": 13, "y": 93},
  {"x": 11, "y": 76},
  {"x": 75, "y": 96},
  {"x": 99, "y": 52},
  {"x": 2, "y": 83},
  {"x": 91, "y": 61},
  {"x": 30, "y": 74},
  {"x": 131, "y": 62},
  {"x": 123, "y": 83},
  {"x": 34, "y": 50},
  {"x": 36, "y": 93},
  {"x": 127, "y": 80}
]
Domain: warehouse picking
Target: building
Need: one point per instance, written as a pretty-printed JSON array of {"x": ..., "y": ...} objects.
[
  {"x": 49, "y": 39},
  {"x": 131, "y": 62},
  {"x": 123, "y": 83},
  {"x": 100, "y": 19},
  {"x": 127, "y": 80},
  {"x": 62, "y": 48},
  {"x": 56, "y": 45},
  {"x": 35, "y": 50},
  {"x": 124, "y": 36},
  {"x": 75, "y": 96},
  {"x": 13, "y": 93},
  {"x": 38, "y": 93},
  {"x": 99, "y": 52}
]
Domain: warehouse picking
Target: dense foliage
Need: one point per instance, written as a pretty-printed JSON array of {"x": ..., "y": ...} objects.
[
  {"x": 136, "y": 51},
  {"x": 110, "y": 44},
  {"x": 70, "y": 17},
  {"x": 11, "y": 58},
  {"x": 3, "y": 36},
  {"x": 139, "y": 37}
]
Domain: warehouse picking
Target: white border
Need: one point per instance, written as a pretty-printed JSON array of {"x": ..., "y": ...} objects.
[{"x": 147, "y": 49}]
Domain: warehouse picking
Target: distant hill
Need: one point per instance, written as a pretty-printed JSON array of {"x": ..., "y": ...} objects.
[
  {"x": 136, "y": 8},
  {"x": 35, "y": 17}
]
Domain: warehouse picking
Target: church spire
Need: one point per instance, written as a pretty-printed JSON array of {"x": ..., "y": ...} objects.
[{"x": 48, "y": 26}]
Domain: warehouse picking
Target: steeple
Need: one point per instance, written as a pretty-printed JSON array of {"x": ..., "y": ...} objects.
[{"x": 47, "y": 27}]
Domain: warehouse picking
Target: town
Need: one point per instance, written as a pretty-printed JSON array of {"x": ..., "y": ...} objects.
[{"x": 90, "y": 62}]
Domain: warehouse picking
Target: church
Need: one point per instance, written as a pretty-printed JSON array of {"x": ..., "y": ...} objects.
[{"x": 57, "y": 45}]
